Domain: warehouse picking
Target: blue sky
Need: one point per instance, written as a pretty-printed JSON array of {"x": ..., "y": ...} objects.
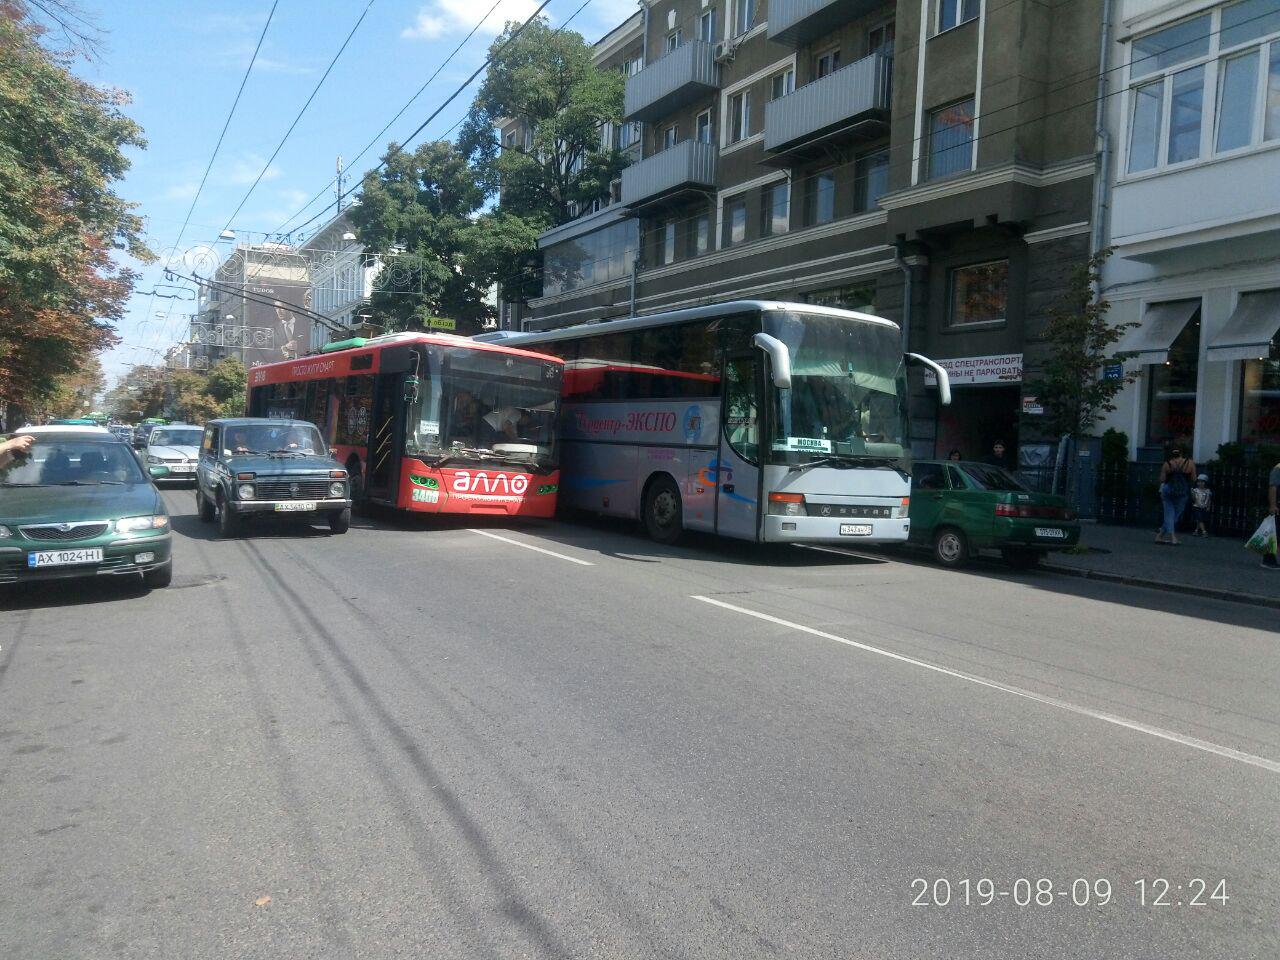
[{"x": 182, "y": 62}]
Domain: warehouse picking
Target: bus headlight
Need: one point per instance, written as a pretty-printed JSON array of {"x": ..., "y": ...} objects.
[
  {"x": 902, "y": 511},
  {"x": 337, "y": 489},
  {"x": 787, "y": 505},
  {"x": 245, "y": 491}
]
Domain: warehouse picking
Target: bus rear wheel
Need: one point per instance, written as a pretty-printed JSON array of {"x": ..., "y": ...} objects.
[{"x": 663, "y": 510}]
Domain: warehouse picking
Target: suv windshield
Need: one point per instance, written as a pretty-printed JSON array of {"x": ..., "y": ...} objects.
[
  {"x": 241, "y": 439},
  {"x": 53, "y": 463},
  {"x": 169, "y": 437},
  {"x": 848, "y": 390},
  {"x": 479, "y": 403},
  {"x": 991, "y": 478}
]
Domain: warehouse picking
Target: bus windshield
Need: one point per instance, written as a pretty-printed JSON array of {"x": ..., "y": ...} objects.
[
  {"x": 482, "y": 405},
  {"x": 848, "y": 395}
]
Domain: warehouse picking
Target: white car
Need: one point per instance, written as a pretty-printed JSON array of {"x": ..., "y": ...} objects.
[{"x": 176, "y": 446}]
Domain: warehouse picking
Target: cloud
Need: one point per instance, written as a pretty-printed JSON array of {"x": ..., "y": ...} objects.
[
  {"x": 181, "y": 191},
  {"x": 459, "y": 16},
  {"x": 245, "y": 170},
  {"x": 239, "y": 53}
]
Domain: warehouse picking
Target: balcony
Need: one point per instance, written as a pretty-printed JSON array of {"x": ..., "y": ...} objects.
[
  {"x": 853, "y": 101},
  {"x": 797, "y": 22},
  {"x": 686, "y": 74},
  {"x": 687, "y": 165}
]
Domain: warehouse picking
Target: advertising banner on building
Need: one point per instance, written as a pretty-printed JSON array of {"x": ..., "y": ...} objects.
[
  {"x": 1000, "y": 368},
  {"x": 274, "y": 326}
]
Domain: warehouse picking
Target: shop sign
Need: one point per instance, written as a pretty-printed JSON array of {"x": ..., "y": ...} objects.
[
  {"x": 1032, "y": 406},
  {"x": 1000, "y": 368}
]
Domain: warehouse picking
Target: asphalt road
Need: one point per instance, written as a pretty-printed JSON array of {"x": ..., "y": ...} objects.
[{"x": 561, "y": 741}]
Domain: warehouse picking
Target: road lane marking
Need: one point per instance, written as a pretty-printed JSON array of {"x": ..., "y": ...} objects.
[
  {"x": 529, "y": 546},
  {"x": 1163, "y": 734}
]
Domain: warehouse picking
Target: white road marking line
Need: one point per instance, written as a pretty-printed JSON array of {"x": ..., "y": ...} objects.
[
  {"x": 529, "y": 546},
  {"x": 1170, "y": 735}
]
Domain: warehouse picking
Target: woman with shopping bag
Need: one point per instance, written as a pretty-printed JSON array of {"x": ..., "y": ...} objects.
[
  {"x": 1176, "y": 478},
  {"x": 1263, "y": 540}
]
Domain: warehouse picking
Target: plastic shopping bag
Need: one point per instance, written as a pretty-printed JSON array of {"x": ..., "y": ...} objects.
[{"x": 1264, "y": 538}]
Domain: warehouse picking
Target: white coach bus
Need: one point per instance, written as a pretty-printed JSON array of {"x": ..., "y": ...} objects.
[{"x": 764, "y": 421}]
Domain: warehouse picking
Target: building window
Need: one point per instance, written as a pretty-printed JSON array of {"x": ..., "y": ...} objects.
[
  {"x": 979, "y": 293},
  {"x": 735, "y": 222},
  {"x": 880, "y": 39},
  {"x": 744, "y": 16},
  {"x": 826, "y": 63},
  {"x": 1260, "y": 398},
  {"x": 700, "y": 235},
  {"x": 740, "y": 116},
  {"x": 951, "y": 139},
  {"x": 630, "y": 135},
  {"x": 707, "y": 26},
  {"x": 670, "y": 136},
  {"x": 820, "y": 198},
  {"x": 1206, "y": 85},
  {"x": 1171, "y": 390},
  {"x": 871, "y": 180},
  {"x": 673, "y": 41},
  {"x": 860, "y": 297},
  {"x": 782, "y": 83},
  {"x": 669, "y": 242},
  {"x": 703, "y": 127},
  {"x": 775, "y": 209},
  {"x": 952, "y": 13}
]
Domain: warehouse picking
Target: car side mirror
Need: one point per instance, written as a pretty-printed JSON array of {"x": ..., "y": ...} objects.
[{"x": 158, "y": 473}]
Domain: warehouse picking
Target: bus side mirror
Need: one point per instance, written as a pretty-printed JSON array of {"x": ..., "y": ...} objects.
[
  {"x": 779, "y": 359},
  {"x": 944, "y": 382}
]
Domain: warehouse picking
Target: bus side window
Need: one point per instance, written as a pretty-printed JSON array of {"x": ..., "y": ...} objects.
[{"x": 741, "y": 414}]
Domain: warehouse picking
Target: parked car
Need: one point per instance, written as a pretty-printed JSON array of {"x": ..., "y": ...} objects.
[
  {"x": 176, "y": 446},
  {"x": 250, "y": 467},
  {"x": 79, "y": 504},
  {"x": 959, "y": 508}
]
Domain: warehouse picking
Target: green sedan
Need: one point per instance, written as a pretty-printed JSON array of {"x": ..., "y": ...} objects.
[
  {"x": 959, "y": 508},
  {"x": 80, "y": 505}
]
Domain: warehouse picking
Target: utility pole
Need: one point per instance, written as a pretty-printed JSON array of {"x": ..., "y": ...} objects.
[{"x": 339, "y": 180}]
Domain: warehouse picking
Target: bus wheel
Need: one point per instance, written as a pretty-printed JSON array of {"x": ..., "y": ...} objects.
[{"x": 663, "y": 511}]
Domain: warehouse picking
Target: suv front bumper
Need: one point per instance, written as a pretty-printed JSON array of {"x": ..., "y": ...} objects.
[{"x": 289, "y": 508}]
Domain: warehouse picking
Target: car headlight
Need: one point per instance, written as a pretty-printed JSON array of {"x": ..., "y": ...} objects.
[
  {"x": 337, "y": 489},
  {"x": 245, "y": 491},
  {"x": 130, "y": 524},
  {"x": 5, "y": 532},
  {"x": 154, "y": 460}
]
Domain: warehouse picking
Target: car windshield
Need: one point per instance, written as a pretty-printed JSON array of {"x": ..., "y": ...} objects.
[
  {"x": 175, "y": 437},
  {"x": 241, "y": 439},
  {"x": 52, "y": 463},
  {"x": 991, "y": 478},
  {"x": 848, "y": 389},
  {"x": 487, "y": 403}
]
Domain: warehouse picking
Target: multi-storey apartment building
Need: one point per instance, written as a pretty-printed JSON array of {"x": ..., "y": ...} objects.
[
  {"x": 930, "y": 161},
  {"x": 342, "y": 279},
  {"x": 1194, "y": 117}
]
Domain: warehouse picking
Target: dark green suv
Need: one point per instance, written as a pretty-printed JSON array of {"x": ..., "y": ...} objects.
[
  {"x": 255, "y": 466},
  {"x": 79, "y": 504}
]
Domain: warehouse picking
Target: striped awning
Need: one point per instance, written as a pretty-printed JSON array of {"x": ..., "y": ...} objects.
[
  {"x": 1150, "y": 341},
  {"x": 1249, "y": 331}
]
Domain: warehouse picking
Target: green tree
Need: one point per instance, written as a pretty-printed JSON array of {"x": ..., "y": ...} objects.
[
  {"x": 1082, "y": 372},
  {"x": 546, "y": 79},
  {"x": 226, "y": 385},
  {"x": 416, "y": 211},
  {"x": 61, "y": 149}
]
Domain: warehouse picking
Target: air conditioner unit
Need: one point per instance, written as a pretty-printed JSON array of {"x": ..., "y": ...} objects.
[{"x": 726, "y": 50}]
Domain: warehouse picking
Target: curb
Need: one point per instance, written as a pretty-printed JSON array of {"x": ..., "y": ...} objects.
[{"x": 1234, "y": 596}]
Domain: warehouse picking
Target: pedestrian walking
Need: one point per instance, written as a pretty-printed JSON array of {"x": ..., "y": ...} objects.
[
  {"x": 1175, "y": 488},
  {"x": 1201, "y": 499},
  {"x": 1269, "y": 559}
]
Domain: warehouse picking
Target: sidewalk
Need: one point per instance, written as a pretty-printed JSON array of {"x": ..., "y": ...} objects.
[{"x": 1216, "y": 566}]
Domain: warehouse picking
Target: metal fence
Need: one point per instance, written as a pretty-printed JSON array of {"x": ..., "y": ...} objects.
[{"x": 1129, "y": 493}]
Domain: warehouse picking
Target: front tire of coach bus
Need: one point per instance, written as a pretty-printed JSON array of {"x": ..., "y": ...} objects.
[{"x": 663, "y": 510}]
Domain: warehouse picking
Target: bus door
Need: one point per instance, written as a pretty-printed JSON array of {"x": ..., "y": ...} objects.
[
  {"x": 386, "y": 437},
  {"x": 737, "y": 462}
]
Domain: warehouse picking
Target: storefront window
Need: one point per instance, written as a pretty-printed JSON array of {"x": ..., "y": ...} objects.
[
  {"x": 1171, "y": 402},
  {"x": 1260, "y": 398}
]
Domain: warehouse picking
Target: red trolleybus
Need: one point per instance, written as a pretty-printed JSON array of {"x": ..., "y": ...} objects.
[{"x": 428, "y": 422}]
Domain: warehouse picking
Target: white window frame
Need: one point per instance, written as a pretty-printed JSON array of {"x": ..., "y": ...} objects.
[
  {"x": 1212, "y": 62},
  {"x": 669, "y": 142},
  {"x": 768, "y": 188},
  {"x": 788, "y": 83},
  {"x": 740, "y": 114},
  {"x": 819, "y": 55},
  {"x": 740, "y": 196},
  {"x": 710, "y": 127},
  {"x": 937, "y": 21},
  {"x": 708, "y": 16},
  {"x": 738, "y": 6},
  {"x": 746, "y": 82}
]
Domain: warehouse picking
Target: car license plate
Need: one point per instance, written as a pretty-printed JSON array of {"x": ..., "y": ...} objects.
[
  {"x": 855, "y": 529},
  {"x": 295, "y": 506},
  {"x": 181, "y": 468},
  {"x": 1056, "y": 533},
  {"x": 63, "y": 558}
]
